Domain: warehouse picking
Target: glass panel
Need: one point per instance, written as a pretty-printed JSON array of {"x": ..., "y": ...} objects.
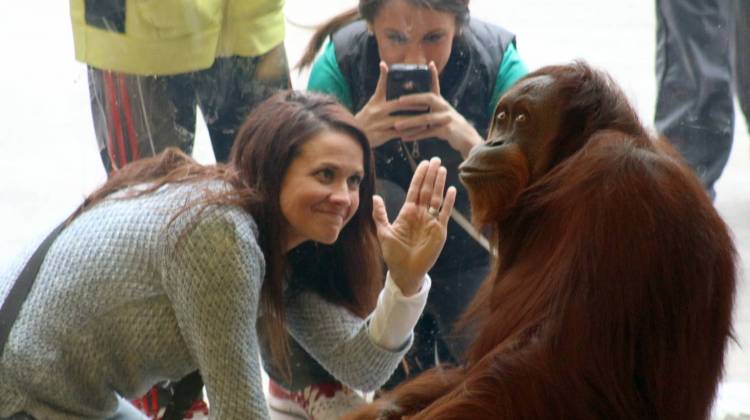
[{"x": 49, "y": 157}]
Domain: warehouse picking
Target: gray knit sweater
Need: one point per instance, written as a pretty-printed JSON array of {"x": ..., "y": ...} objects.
[{"x": 120, "y": 304}]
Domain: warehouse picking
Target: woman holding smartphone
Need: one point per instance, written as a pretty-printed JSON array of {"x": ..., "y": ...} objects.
[{"x": 471, "y": 64}]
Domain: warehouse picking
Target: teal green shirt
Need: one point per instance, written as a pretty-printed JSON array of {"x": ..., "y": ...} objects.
[{"x": 326, "y": 76}]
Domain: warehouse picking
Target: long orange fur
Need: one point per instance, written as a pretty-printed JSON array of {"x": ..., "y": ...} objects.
[{"x": 611, "y": 296}]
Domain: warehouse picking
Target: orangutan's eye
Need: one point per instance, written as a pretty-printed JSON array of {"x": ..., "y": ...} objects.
[
  {"x": 521, "y": 118},
  {"x": 501, "y": 116}
]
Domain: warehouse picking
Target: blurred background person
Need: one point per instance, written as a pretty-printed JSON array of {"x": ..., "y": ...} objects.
[
  {"x": 696, "y": 44},
  {"x": 150, "y": 64}
]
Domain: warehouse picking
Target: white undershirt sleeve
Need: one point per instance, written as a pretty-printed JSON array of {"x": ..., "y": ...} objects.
[{"x": 394, "y": 317}]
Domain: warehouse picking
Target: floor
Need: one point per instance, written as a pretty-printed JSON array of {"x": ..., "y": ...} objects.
[{"x": 49, "y": 161}]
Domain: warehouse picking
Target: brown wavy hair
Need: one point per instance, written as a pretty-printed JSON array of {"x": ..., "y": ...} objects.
[
  {"x": 265, "y": 145},
  {"x": 367, "y": 10}
]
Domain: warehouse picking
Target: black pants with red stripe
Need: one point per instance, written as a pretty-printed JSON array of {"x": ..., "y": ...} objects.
[{"x": 139, "y": 116}]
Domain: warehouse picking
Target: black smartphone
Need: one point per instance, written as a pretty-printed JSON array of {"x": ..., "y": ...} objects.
[{"x": 406, "y": 79}]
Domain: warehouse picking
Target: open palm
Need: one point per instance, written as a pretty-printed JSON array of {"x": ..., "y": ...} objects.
[{"x": 412, "y": 243}]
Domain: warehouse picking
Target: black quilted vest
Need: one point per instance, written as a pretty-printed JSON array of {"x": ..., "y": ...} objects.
[{"x": 467, "y": 83}]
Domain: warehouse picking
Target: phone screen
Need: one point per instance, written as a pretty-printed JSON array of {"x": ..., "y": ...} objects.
[{"x": 407, "y": 79}]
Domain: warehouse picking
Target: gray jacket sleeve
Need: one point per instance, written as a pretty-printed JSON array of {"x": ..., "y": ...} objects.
[
  {"x": 340, "y": 342},
  {"x": 213, "y": 271}
]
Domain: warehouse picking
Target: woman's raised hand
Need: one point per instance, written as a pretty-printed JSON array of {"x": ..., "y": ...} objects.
[
  {"x": 443, "y": 121},
  {"x": 412, "y": 244}
]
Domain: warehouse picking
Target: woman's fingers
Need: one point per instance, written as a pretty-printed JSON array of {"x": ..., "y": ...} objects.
[
  {"x": 380, "y": 88},
  {"x": 435, "y": 78},
  {"x": 437, "y": 191},
  {"x": 448, "y": 202},
  {"x": 420, "y": 101},
  {"x": 384, "y": 120},
  {"x": 412, "y": 193},
  {"x": 428, "y": 185},
  {"x": 426, "y": 190},
  {"x": 407, "y": 126},
  {"x": 379, "y": 214},
  {"x": 436, "y": 127}
]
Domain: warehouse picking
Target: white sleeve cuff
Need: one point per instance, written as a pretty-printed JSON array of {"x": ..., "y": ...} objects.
[{"x": 394, "y": 317}]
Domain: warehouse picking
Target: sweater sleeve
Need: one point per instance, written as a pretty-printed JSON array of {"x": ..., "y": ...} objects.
[
  {"x": 213, "y": 270},
  {"x": 326, "y": 77},
  {"x": 511, "y": 69},
  {"x": 341, "y": 343},
  {"x": 395, "y": 315}
]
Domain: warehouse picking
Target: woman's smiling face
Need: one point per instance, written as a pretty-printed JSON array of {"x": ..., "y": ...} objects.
[{"x": 320, "y": 190}]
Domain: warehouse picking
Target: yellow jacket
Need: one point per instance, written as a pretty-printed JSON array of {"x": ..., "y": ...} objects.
[{"x": 160, "y": 37}]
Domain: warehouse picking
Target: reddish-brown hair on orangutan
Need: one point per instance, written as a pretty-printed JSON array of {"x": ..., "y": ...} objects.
[{"x": 612, "y": 292}]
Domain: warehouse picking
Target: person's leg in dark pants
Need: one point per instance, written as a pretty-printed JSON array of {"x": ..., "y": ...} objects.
[
  {"x": 232, "y": 87},
  {"x": 742, "y": 57},
  {"x": 140, "y": 116},
  {"x": 694, "y": 104}
]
